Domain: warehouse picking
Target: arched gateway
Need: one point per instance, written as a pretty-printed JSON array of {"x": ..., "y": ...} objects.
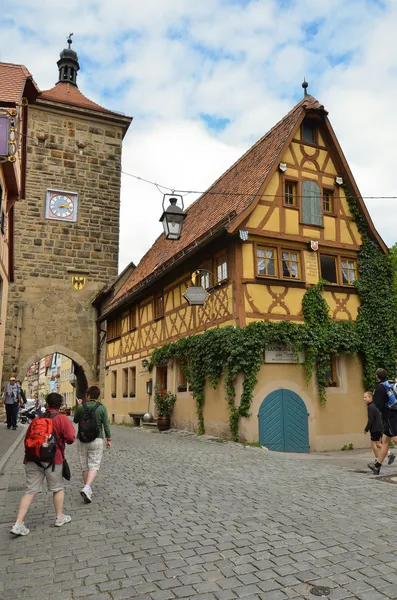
[{"x": 66, "y": 229}]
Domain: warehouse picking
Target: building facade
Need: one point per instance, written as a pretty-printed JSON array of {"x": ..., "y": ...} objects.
[
  {"x": 66, "y": 227},
  {"x": 17, "y": 90},
  {"x": 274, "y": 225}
]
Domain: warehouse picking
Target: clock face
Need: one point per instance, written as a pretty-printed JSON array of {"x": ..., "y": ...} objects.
[{"x": 61, "y": 206}]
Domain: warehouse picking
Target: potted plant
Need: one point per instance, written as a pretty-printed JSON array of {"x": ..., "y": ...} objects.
[
  {"x": 125, "y": 395},
  {"x": 114, "y": 395},
  {"x": 164, "y": 402},
  {"x": 182, "y": 388},
  {"x": 132, "y": 394}
]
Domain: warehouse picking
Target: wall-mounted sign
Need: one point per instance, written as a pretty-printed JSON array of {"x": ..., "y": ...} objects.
[
  {"x": 4, "y": 135},
  {"x": 195, "y": 295},
  {"x": 311, "y": 267},
  {"x": 277, "y": 353}
]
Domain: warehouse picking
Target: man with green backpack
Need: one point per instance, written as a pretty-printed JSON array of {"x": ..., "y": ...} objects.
[{"x": 93, "y": 421}]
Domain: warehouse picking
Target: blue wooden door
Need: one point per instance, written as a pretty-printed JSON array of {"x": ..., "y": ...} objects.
[{"x": 283, "y": 422}]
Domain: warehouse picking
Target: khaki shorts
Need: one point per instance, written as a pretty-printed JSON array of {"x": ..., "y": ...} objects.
[
  {"x": 90, "y": 454},
  {"x": 35, "y": 476}
]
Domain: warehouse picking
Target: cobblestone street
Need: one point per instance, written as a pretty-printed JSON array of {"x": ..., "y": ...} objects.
[{"x": 178, "y": 517}]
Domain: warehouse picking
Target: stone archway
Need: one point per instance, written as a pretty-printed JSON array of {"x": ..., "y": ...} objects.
[{"x": 83, "y": 372}]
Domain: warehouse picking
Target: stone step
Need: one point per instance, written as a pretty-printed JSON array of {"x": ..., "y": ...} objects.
[{"x": 151, "y": 425}]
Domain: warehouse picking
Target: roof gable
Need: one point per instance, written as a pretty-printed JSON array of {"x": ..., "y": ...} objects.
[
  {"x": 13, "y": 80},
  {"x": 243, "y": 183}
]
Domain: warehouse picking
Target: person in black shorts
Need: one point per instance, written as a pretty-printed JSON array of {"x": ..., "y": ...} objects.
[
  {"x": 389, "y": 418},
  {"x": 374, "y": 424}
]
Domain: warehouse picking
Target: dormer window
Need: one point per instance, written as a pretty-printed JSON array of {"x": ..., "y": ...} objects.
[{"x": 309, "y": 132}]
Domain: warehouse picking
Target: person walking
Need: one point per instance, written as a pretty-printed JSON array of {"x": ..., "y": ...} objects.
[
  {"x": 21, "y": 392},
  {"x": 389, "y": 418},
  {"x": 11, "y": 400},
  {"x": 93, "y": 420},
  {"x": 375, "y": 427},
  {"x": 37, "y": 471}
]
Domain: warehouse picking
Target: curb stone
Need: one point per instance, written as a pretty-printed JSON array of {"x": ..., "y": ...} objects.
[{"x": 13, "y": 447}]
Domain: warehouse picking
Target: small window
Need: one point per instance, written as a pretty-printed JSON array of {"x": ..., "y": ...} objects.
[
  {"x": 221, "y": 268},
  {"x": 290, "y": 193},
  {"x": 309, "y": 132},
  {"x": 266, "y": 260},
  {"x": 158, "y": 306},
  {"x": 328, "y": 201},
  {"x": 182, "y": 381},
  {"x": 132, "y": 382},
  {"x": 132, "y": 318},
  {"x": 328, "y": 268},
  {"x": 114, "y": 383},
  {"x": 113, "y": 330},
  {"x": 349, "y": 271},
  {"x": 311, "y": 203},
  {"x": 331, "y": 375},
  {"x": 291, "y": 264},
  {"x": 125, "y": 383},
  {"x": 204, "y": 280}
]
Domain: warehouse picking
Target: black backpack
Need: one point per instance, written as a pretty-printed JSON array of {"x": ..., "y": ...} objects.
[{"x": 88, "y": 428}]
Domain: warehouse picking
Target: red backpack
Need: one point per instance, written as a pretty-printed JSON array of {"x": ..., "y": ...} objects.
[{"x": 41, "y": 441}]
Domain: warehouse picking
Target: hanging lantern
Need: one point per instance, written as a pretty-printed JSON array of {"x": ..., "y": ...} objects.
[{"x": 173, "y": 217}]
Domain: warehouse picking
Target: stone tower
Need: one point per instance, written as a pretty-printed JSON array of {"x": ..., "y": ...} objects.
[{"x": 66, "y": 228}]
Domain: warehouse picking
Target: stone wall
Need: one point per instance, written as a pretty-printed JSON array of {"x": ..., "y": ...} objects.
[{"x": 78, "y": 153}]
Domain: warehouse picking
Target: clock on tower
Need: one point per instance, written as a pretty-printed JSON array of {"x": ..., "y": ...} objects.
[{"x": 61, "y": 205}]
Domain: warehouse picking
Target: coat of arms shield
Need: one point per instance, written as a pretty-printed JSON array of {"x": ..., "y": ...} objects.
[
  {"x": 78, "y": 282},
  {"x": 314, "y": 245}
]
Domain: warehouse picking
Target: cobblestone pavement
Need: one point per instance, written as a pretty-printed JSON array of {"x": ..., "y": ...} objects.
[{"x": 179, "y": 517}]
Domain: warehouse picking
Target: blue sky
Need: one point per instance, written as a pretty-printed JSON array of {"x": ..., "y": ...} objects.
[{"x": 205, "y": 80}]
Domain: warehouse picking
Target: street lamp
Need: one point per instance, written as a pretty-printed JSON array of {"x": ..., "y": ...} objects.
[{"x": 173, "y": 217}]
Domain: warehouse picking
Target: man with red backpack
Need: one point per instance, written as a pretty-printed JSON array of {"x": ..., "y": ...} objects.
[{"x": 44, "y": 456}]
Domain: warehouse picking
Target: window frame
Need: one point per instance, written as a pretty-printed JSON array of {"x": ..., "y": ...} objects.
[
  {"x": 217, "y": 257},
  {"x": 294, "y": 183},
  {"x": 332, "y": 192},
  {"x": 335, "y": 257},
  {"x": 157, "y": 298},
  {"x": 315, "y": 132},
  {"x": 334, "y": 382},
  {"x": 113, "y": 383},
  {"x": 132, "y": 318},
  {"x": 298, "y": 262},
  {"x": 124, "y": 382},
  {"x": 275, "y": 250},
  {"x": 182, "y": 380},
  {"x": 279, "y": 249},
  {"x": 354, "y": 260},
  {"x": 131, "y": 382},
  {"x": 114, "y": 335}
]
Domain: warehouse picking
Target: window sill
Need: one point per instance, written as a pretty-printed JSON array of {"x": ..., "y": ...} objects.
[
  {"x": 311, "y": 225},
  {"x": 330, "y": 214},
  {"x": 293, "y": 206},
  {"x": 277, "y": 281},
  {"x": 335, "y": 287},
  {"x": 132, "y": 329},
  {"x": 118, "y": 337}
]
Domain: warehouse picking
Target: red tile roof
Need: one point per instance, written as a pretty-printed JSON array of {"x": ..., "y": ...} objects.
[
  {"x": 245, "y": 177},
  {"x": 67, "y": 93},
  {"x": 12, "y": 82}
]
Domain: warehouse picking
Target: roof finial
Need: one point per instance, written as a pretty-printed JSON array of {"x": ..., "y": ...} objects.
[
  {"x": 305, "y": 85},
  {"x": 69, "y": 40}
]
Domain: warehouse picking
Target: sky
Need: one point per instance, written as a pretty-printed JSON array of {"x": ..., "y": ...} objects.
[{"x": 204, "y": 80}]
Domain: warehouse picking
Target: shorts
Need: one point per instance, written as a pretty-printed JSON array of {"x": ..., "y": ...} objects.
[
  {"x": 390, "y": 425},
  {"x": 35, "y": 476},
  {"x": 376, "y": 436},
  {"x": 90, "y": 454}
]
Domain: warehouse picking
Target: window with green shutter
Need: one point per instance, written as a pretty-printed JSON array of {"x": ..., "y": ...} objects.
[{"x": 311, "y": 203}]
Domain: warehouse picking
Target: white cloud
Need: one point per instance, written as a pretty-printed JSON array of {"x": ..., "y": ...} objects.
[{"x": 165, "y": 63}]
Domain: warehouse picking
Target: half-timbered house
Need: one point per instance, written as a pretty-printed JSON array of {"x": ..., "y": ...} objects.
[{"x": 269, "y": 228}]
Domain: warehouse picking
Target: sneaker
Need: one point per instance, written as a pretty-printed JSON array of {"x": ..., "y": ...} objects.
[
  {"x": 391, "y": 460},
  {"x": 59, "y": 521},
  {"x": 374, "y": 468},
  {"x": 86, "y": 494},
  {"x": 19, "y": 529}
]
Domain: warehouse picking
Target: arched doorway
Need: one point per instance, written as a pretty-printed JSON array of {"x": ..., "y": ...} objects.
[
  {"x": 283, "y": 422},
  {"x": 56, "y": 368}
]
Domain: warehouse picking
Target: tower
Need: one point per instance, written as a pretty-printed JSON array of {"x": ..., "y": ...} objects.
[{"x": 66, "y": 227}]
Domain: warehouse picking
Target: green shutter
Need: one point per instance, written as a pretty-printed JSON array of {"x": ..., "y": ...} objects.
[{"x": 311, "y": 203}]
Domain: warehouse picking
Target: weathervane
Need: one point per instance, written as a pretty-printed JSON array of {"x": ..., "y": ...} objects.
[
  {"x": 305, "y": 85},
  {"x": 69, "y": 40}
]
